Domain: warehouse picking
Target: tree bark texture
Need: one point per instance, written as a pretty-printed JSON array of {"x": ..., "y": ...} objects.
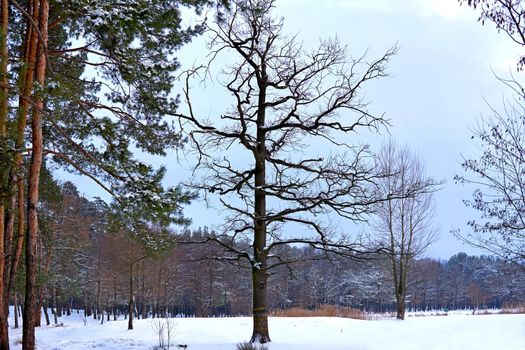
[
  {"x": 131, "y": 298},
  {"x": 4, "y": 99},
  {"x": 259, "y": 274},
  {"x": 40, "y": 11}
]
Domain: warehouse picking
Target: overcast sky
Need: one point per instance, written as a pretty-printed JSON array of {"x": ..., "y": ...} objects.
[{"x": 438, "y": 84}]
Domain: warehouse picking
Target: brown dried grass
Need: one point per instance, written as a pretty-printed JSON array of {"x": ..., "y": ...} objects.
[
  {"x": 513, "y": 308},
  {"x": 322, "y": 311}
]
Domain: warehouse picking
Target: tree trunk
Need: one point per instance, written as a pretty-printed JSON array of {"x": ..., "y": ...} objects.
[
  {"x": 401, "y": 308},
  {"x": 131, "y": 298},
  {"x": 114, "y": 297},
  {"x": 260, "y": 311},
  {"x": 28, "y": 338},
  {"x": 54, "y": 306},
  {"x": 19, "y": 243},
  {"x": 38, "y": 308},
  {"x": 8, "y": 240},
  {"x": 259, "y": 274},
  {"x": 144, "y": 311},
  {"x": 401, "y": 303},
  {"x": 4, "y": 105},
  {"x": 46, "y": 314},
  {"x": 99, "y": 282},
  {"x": 165, "y": 299},
  {"x": 143, "y": 306},
  {"x": 15, "y": 302},
  {"x": 26, "y": 81}
]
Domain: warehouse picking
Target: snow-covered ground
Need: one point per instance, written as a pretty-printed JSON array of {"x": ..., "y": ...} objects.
[{"x": 455, "y": 331}]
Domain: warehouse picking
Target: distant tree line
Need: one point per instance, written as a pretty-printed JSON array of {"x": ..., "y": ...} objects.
[{"x": 85, "y": 263}]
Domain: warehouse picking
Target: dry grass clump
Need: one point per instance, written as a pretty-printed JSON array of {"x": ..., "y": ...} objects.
[
  {"x": 513, "y": 308},
  {"x": 322, "y": 311}
]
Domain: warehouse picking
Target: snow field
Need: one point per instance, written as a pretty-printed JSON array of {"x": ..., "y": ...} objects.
[{"x": 456, "y": 331}]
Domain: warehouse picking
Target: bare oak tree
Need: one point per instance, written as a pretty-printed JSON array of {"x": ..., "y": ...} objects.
[
  {"x": 278, "y": 188},
  {"x": 404, "y": 222}
]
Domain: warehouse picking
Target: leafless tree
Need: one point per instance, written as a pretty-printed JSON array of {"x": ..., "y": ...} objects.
[
  {"x": 500, "y": 167},
  {"x": 499, "y": 174},
  {"x": 278, "y": 187},
  {"x": 507, "y": 15},
  {"x": 404, "y": 222}
]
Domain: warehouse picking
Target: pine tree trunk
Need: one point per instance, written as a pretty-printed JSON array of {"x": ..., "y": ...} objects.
[
  {"x": 39, "y": 306},
  {"x": 16, "y": 175},
  {"x": 99, "y": 282},
  {"x": 114, "y": 297},
  {"x": 131, "y": 298},
  {"x": 19, "y": 243},
  {"x": 28, "y": 337},
  {"x": 143, "y": 307},
  {"x": 4, "y": 105},
  {"x": 54, "y": 305},
  {"x": 8, "y": 240},
  {"x": 46, "y": 314},
  {"x": 15, "y": 302}
]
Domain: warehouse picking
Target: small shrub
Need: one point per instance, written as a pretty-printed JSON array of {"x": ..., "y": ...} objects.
[
  {"x": 165, "y": 331},
  {"x": 251, "y": 346}
]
